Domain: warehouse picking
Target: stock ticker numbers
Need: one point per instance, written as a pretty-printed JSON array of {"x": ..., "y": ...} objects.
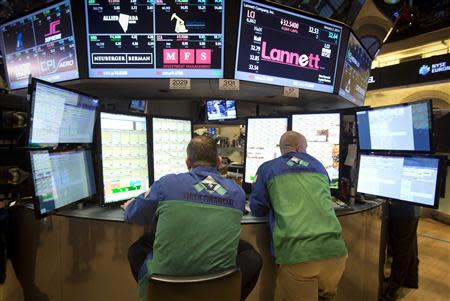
[
  {"x": 41, "y": 44},
  {"x": 155, "y": 38},
  {"x": 285, "y": 48}
]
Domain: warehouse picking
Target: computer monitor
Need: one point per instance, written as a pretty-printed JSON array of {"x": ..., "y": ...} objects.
[
  {"x": 60, "y": 116},
  {"x": 407, "y": 178},
  {"x": 221, "y": 109},
  {"x": 171, "y": 137},
  {"x": 404, "y": 127},
  {"x": 138, "y": 105},
  {"x": 124, "y": 156},
  {"x": 263, "y": 138},
  {"x": 61, "y": 179},
  {"x": 322, "y": 132}
]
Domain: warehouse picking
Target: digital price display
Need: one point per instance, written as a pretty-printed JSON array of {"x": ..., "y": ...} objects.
[
  {"x": 355, "y": 76},
  {"x": 151, "y": 39},
  {"x": 279, "y": 47},
  {"x": 41, "y": 44}
]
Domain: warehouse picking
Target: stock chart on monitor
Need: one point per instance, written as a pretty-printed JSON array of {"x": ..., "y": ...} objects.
[
  {"x": 61, "y": 178},
  {"x": 61, "y": 116},
  {"x": 404, "y": 127},
  {"x": 279, "y": 47},
  {"x": 411, "y": 178},
  {"x": 170, "y": 140},
  {"x": 150, "y": 39},
  {"x": 41, "y": 44},
  {"x": 322, "y": 132},
  {"x": 124, "y": 156},
  {"x": 263, "y": 138}
]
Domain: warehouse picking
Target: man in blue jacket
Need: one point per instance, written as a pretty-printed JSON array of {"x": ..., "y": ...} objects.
[
  {"x": 294, "y": 190},
  {"x": 198, "y": 218}
]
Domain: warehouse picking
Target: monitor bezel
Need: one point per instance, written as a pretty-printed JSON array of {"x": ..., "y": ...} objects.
[
  {"x": 334, "y": 191},
  {"x": 30, "y": 112},
  {"x": 32, "y": 12},
  {"x": 151, "y": 145},
  {"x": 99, "y": 158},
  {"x": 430, "y": 130},
  {"x": 35, "y": 198},
  {"x": 302, "y": 13},
  {"x": 220, "y": 120},
  {"x": 248, "y": 186},
  {"x": 437, "y": 184}
]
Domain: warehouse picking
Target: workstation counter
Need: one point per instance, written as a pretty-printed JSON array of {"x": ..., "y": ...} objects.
[{"x": 81, "y": 254}]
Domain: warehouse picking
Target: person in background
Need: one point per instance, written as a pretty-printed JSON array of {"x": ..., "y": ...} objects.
[
  {"x": 402, "y": 245},
  {"x": 198, "y": 219},
  {"x": 294, "y": 190}
]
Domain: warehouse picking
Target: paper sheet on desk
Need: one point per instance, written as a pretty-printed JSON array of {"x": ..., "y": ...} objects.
[{"x": 351, "y": 155}]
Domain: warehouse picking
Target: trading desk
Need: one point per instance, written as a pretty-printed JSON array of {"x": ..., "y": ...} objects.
[{"x": 81, "y": 254}]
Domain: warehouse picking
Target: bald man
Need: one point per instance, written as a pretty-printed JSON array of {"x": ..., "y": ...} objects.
[{"x": 294, "y": 190}]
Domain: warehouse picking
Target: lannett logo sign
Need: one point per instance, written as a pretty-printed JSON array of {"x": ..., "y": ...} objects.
[{"x": 435, "y": 68}]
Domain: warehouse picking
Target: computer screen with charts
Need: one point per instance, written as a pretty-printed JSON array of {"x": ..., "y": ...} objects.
[
  {"x": 61, "y": 179},
  {"x": 405, "y": 127},
  {"x": 322, "y": 132},
  {"x": 124, "y": 156},
  {"x": 170, "y": 140},
  {"x": 59, "y": 115},
  {"x": 263, "y": 138},
  {"x": 412, "y": 179}
]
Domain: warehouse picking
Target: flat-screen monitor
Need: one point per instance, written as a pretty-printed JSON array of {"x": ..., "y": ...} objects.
[
  {"x": 61, "y": 179},
  {"x": 322, "y": 132},
  {"x": 138, "y": 105},
  {"x": 412, "y": 179},
  {"x": 356, "y": 72},
  {"x": 59, "y": 115},
  {"x": 263, "y": 143},
  {"x": 170, "y": 139},
  {"x": 405, "y": 127},
  {"x": 155, "y": 39},
  {"x": 41, "y": 44},
  {"x": 221, "y": 109},
  {"x": 124, "y": 156},
  {"x": 281, "y": 47}
]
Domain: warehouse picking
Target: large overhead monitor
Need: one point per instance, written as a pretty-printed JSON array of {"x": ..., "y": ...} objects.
[
  {"x": 171, "y": 137},
  {"x": 221, "y": 109},
  {"x": 322, "y": 132},
  {"x": 61, "y": 179},
  {"x": 405, "y": 127},
  {"x": 263, "y": 139},
  {"x": 155, "y": 39},
  {"x": 60, "y": 116},
  {"x": 281, "y": 47},
  {"x": 124, "y": 156},
  {"x": 41, "y": 44},
  {"x": 356, "y": 72},
  {"x": 412, "y": 179}
]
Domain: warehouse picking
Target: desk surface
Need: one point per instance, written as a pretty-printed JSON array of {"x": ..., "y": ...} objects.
[{"x": 115, "y": 214}]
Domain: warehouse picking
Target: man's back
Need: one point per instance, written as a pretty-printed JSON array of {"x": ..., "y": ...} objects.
[{"x": 304, "y": 225}]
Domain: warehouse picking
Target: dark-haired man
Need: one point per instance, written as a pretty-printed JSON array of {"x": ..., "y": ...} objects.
[
  {"x": 198, "y": 217},
  {"x": 294, "y": 190}
]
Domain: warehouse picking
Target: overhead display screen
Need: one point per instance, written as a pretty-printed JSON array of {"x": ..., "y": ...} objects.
[
  {"x": 263, "y": 143},
  {"x": 356, "y": 72},
  {"x": 221, "y": 109},
  {"x": 151, "y": 39},
  {"x": 410, "y": 179},
  {"x": 124, "y": 156},
  {"x": 280, "y": 47},
  {"x": 41, "y": 44},
  {"x": 404, "y": 127},
  {"x": 170, "y": 140},
  {"x": 322, "y": 132}
]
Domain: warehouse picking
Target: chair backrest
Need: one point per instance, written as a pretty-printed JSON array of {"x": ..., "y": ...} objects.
[{"x": 218, "y": 286}]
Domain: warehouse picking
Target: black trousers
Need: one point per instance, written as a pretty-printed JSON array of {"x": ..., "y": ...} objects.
[
  {"x": 402, "y": 243},
  {"x": 248, "y": 260}
]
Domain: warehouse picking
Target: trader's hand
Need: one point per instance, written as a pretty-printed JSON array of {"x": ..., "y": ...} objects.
[{"x": 125, "y": 205}]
